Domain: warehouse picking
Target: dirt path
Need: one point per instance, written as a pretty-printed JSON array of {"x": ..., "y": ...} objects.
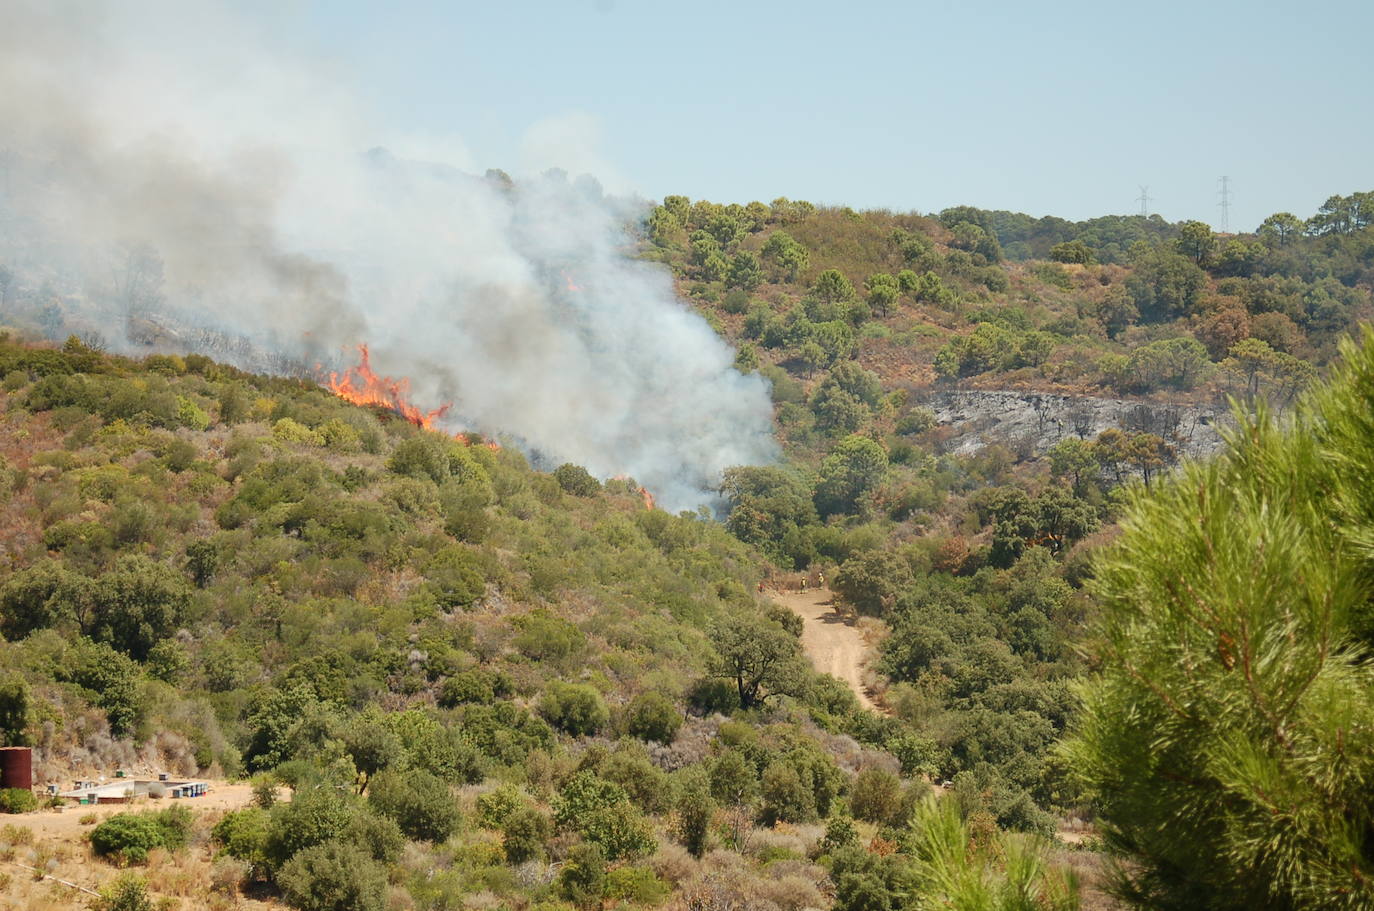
[{"x": 830, "y": 639}]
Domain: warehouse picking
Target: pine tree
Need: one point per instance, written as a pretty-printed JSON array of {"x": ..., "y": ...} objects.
[{"x": 1229, "y": 736}]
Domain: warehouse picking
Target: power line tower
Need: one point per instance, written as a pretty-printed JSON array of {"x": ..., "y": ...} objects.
[
  {"x": 1225, "y": 193},
  {"x": 1144, "y": 200}
]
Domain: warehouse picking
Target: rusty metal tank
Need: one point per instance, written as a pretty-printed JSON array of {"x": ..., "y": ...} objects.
[{"x": 16, "y": 767}]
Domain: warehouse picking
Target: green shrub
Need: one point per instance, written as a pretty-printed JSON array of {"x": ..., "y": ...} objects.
[
  {"x": 16, "y": 708},
  {"x": 265, "y": 786},
  {"x": 695, "y": 807},
  {"x": 289, "y": 431},
  {"x": 448, "y": 753},
  {"x": 128, "y": 837},
  {"x": 575, "y": 479},
  {"x": 584, "y": 794},
  {"x": 785, "y": 797},
  {"x": 333, "y": 877},
  {"x": 339, "y": 436},
  {"x": 454, "y": 577},
  {"x": 712, "y": 695},
  {"x": 421, "y": 804},
  {"x": 917, "y": 420},
  {"x": 126, "y": 893},
  {"x": 736, "y": 301},
  {"x": 179, "y": 455},
  {"x": 621, "y": 831},
  {"x": 917, "y": 754},
  {"x": 524, "y": 834},
  {"x": 422, "y": 456},
  {"x": 652, "y": 716},
  {"x": 243, "y": 835},
  {"x": 315, "y": 814},
  {"x": 372, "y": 745},
  {"x": 464, "y": 510},
  {"x": 575, "y": 708},
  {"x": 17, "y": 800},
  {"x": 191, "y": 415},
  {"x": 175, "y": 823},
  {"x": 503, "y": 731},
  {"x": 378, "y": 836},
  {"x": 582, "y": 880},
  {"x": 603, "y": 813},
  {"x": 733, "y": 780},
  {"x": 638, "y": 885},
  {"x": 497, "y": 805},
  {"x": 839, "y": 833},
  {"x": 876, "y": 795},
  {"x": 469, "y": 686},
  {"x": 647, "y": 785},
  {"x": 545, "y": 637}
]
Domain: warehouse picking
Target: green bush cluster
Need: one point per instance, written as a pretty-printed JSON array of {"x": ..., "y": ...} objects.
[
  {"x": 128, "y": 837},
  {"x": 17, "y": 800}
]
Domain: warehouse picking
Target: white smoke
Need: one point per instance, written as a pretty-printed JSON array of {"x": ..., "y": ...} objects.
[{"x": 162, "y": 164}]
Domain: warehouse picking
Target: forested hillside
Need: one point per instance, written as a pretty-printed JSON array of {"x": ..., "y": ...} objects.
[
  {"x": 487, "y": 685},
  {"x": 974, "y": 561},
  {"x": 1128, "y": 304},
  {"x": 550, "y": 692}
]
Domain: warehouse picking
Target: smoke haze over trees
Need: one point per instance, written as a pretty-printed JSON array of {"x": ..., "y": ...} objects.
[{"x": 168, "y": 180}]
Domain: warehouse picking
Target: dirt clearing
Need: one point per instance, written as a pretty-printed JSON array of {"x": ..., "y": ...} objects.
[
  {"x": 832, "y": 640},
  {"x": 66, "y": 823}
]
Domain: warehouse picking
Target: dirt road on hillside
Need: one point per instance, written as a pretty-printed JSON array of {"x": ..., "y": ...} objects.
[{"x": 831, "y": 640}]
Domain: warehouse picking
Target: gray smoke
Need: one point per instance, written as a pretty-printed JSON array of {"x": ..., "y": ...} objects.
[{"x": 166, "y": 181}]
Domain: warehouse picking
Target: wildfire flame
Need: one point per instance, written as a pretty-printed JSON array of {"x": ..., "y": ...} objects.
[
  {"x": 362, "y": 386},
  {"x": 644, "y": 494},
  {"x": 572, "y": 285}
]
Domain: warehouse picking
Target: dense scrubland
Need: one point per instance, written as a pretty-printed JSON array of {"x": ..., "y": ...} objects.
[{"x": 490, "y": 686}]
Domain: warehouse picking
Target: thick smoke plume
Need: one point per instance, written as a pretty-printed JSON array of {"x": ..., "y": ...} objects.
[{"x": 168, "y": 182}]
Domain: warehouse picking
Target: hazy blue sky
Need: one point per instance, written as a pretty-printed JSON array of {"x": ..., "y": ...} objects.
[{"x": 1045, "y": 108}]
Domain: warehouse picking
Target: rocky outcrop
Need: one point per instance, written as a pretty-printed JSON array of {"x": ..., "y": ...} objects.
[{"x": 1031, "y": 422}]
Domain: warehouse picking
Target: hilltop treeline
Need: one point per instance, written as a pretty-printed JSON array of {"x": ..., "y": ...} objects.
[{"x": 1128, "y": 304}]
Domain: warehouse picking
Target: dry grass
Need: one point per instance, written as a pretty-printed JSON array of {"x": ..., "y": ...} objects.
[
  {"x": 1091, "y": 868},
  {"x": 187, "y": 880}
]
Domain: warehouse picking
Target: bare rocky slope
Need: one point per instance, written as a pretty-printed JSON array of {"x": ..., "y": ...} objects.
[{"x": 1032, "y": 422}]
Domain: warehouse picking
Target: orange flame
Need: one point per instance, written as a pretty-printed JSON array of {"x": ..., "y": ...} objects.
[
  {"x": 644, "y": 494},
  {"x": 361, "y": 386},
  {"x": 475, "y": 439},
  {"x": 572, "y": 285}
]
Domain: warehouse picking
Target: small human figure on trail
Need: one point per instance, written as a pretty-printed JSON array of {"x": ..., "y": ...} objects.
[
  {"x": 760, "y": 586},
  {"x": 820, "y": 580},
  {"x": 803, "y": 583}
]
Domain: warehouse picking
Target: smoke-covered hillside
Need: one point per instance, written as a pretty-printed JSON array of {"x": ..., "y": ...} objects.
[{"x": 152, "y": 202}]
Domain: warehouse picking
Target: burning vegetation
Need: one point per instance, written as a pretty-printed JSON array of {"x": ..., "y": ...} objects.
[
  {"x": 362, "y": 386},
  {"x": 644, "y": 494}
]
